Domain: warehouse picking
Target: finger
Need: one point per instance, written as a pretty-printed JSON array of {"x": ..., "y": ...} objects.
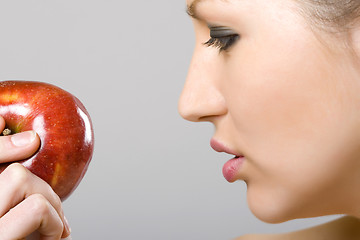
[
  {"x": 18, "y": 183},
  {"x": 18, "y": 146},
  {"x": 34, "y": 213},
  {"x": 2, "y": 123}
]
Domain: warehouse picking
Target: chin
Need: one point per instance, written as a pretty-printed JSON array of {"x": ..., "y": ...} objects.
[
  {"x": 272, "y": 208},
  {"x": 268, "y": 214}
]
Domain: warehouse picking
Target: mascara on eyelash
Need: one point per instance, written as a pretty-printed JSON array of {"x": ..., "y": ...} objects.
[
  {"x": 217, "y": 32},
  {"x": 222, "y": 43}
]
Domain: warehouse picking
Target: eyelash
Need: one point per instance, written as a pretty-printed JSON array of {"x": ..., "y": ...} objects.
[{"x": 222, "y": 43}]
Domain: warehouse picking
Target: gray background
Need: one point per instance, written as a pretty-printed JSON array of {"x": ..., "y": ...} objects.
[{"x": 153, "y": 175}]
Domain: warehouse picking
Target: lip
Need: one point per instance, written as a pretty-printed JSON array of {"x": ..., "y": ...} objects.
[
  {"x": 232, "y": 167},
  {"x": 219, "y": 147}
]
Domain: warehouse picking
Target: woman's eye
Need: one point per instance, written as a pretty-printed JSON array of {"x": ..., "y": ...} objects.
[
  {"x": 222, "y": 38},
  {"x": 222, "y": 43}
]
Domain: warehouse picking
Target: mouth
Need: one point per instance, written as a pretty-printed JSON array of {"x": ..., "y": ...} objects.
[
  {"x": 219, "y": 147},
  {"x": 231, "y": 167}
]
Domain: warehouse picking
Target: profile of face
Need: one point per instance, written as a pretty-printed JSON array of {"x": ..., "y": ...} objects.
[{"x": 284, "y": 103}]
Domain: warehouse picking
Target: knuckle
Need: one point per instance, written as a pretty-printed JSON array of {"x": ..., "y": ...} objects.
[
  {"x": 17, "y": 175},
  {"x": 44, "y": 213},
  {"x": 39, "y": 205}
]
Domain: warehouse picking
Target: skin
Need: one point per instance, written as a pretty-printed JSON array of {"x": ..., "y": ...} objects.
[
  {"x": 343, "y": 228},
  {"x": 25, "y": 199},
  {"x": 286, "y": 101}
]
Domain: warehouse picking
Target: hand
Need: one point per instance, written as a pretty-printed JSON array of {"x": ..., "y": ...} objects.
[
  {"x": 18, "y": 146},
  {"x": 27, "y": 203}
]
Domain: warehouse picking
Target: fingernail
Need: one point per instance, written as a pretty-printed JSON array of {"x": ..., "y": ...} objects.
[
  {"x": 68, "y": 238},
  {"x": 23, "y": 139}
]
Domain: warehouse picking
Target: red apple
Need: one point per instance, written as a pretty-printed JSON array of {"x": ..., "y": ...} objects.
[{"x": 63, "y": 125}]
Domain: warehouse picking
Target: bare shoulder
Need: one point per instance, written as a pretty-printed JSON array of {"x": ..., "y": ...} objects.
[{"x": 342, "y": 228}]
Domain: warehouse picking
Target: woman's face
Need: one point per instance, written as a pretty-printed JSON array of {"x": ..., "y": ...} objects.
[{"x": 281, "y": 99}]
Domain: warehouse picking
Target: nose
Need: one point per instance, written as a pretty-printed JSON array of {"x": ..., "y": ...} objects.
[{"x": 201, "y": 98}]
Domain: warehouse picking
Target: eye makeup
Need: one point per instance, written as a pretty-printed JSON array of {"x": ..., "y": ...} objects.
[
  {"x": 221, "y": 37},
  {"x": 216, "y": 32}
]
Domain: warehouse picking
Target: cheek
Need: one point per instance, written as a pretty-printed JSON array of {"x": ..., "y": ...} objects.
[
  {"x": 293, "y": 119},
  {"x": 274, "y": 96}
]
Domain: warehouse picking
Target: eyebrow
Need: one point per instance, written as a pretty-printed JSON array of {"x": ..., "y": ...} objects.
[{"x": 191, "y": 9}]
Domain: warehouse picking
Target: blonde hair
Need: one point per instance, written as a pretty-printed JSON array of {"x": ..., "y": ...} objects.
[
  {"x": 333, "y": 22},
  {"x": 331, "y": 15}
]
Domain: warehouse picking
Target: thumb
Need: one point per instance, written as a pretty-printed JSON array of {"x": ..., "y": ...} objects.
[{"x": 18, "y": 146}]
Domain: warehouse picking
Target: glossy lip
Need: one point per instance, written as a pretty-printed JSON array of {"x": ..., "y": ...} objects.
[
  {"x": 231, "y": 167},
  {"x": 219, "y": 147}
]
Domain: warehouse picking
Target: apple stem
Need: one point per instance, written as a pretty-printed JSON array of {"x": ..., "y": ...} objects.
[{"x": 6, "y": 132}]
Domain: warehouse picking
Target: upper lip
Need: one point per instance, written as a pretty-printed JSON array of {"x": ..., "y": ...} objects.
[{"x": 220, "y": 147}]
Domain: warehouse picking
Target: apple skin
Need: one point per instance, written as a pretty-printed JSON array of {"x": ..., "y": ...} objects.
[{"x": 63, "y": 125}]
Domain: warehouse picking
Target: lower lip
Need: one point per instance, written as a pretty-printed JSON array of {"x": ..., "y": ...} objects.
[{"x": 232, "y": 167}]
